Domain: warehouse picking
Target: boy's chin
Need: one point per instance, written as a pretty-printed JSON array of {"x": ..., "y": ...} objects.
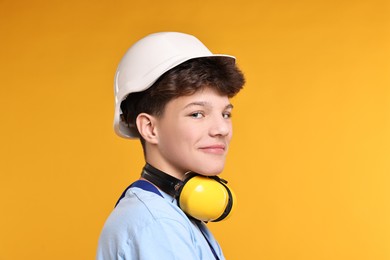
[{"x": 209, "y": 172}]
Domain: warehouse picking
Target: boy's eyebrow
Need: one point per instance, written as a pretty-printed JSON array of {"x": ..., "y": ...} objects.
[
  {"x": 229, "y": 106},
  {"x": 205, "y": 104}
]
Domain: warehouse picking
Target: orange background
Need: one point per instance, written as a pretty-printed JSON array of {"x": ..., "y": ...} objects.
[{"x": 309, "y": 160}]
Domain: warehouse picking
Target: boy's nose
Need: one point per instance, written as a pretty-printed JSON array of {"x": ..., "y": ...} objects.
[{"x": 220, "y": 126}]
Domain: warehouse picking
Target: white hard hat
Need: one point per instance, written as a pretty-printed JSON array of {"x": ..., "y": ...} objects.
[{"x": 146, "y": 61}]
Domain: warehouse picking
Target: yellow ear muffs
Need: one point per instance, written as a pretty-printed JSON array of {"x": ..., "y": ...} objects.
[{"x": 206, "y": 198}]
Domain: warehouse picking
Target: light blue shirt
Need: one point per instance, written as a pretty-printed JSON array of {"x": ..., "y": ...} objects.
[{"x": 145, "y": 226}]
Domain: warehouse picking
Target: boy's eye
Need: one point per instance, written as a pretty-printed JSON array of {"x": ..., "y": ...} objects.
[
  {"x": 196, "y": 115},
  {"x": 227, "y": 115}
]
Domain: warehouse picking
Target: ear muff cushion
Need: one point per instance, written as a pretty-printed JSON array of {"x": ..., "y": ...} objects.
[
  {"x": 205, "y": 199},
  {"x": 231, "y": 204}
]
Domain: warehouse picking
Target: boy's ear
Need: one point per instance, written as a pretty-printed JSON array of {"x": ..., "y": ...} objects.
[{"x": 146, "y": 127}]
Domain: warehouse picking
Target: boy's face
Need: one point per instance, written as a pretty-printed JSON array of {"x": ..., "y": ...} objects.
[{"x": 194, "y": 134}]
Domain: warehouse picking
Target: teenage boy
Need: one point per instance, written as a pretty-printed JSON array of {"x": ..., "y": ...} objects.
[{"x": 173, "y": 94}]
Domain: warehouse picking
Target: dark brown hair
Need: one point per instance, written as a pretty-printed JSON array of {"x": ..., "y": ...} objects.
[{"x": 219, "y": 73}]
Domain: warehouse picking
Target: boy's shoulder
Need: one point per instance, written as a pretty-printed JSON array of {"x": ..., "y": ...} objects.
[{"x": 140, "y": 208}]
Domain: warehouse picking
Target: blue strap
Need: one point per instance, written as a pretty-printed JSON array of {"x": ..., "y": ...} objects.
[
  {"x": 198, "y": 223},
  {"x": 145, "y": 185}
]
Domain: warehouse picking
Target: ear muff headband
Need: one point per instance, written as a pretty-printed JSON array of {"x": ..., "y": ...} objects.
[
  {"x": 200, "y": 197},
  {"x": 165, "y": 182}
]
